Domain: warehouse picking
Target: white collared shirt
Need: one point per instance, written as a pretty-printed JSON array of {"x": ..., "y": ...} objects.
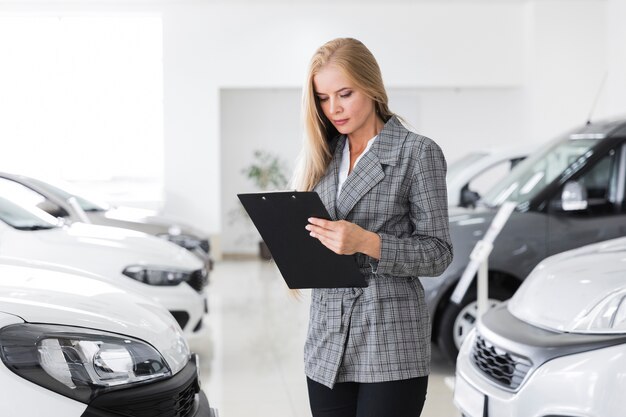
[{"x": 344, "y": 167}]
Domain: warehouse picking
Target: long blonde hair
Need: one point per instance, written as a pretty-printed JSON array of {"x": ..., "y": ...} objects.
[{"x": 361, "y": 68}]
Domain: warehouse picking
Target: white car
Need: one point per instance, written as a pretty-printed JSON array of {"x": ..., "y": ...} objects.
[
  {"x": 476, "y": 172},
  {"x": 558, "y": 347},
  {"x": 131, "y": 260},
  {"x": 62, "y": 202},
  {"x": 72, "y": 345}
]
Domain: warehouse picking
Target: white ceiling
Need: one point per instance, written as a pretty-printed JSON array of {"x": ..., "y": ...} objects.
[{"x": 251, "y": 2}]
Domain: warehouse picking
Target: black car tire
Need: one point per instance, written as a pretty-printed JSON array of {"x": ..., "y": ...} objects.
[{"x": 446, "y": 338}]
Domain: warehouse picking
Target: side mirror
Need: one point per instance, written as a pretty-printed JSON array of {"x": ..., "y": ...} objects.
[
  {"x": 573, "y": 197},
  {"x": 468, "y": 197}
]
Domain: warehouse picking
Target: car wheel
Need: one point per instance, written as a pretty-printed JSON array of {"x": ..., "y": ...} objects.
[{"x": 458, "y": 320}]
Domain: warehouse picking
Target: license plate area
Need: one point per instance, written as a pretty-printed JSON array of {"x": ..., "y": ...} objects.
[{"x": 469, "y": 400}]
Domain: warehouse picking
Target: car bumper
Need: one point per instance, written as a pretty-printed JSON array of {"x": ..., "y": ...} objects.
[
  {"x": 179, "y": 396},
  {"x": 584, "y": 384},
  {"x": 187, "y": 305},
  {"x": 20, "y": 397}
]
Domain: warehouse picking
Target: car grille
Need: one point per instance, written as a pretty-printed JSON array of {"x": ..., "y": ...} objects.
[
  {"x": 182, "y": 317},
  {"x": 178, "y": 405},
  {"x": 198, "y": 326},
  {"x": 205, "y": 246},
  {"x": 505, "y": 368},
  {"x": 172, "y": 398},
  {"x": 199, "y": 279}
]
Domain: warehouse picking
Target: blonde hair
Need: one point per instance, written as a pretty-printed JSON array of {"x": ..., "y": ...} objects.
[{"x": 359, "y": 65}]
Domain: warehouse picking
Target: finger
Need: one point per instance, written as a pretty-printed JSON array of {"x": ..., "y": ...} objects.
[
  {"x": 320, "y": 222},
  {"x": 319, "y": 230},
  {"x": 322, "y": 235},
  {"x": 329, "y": 244}
]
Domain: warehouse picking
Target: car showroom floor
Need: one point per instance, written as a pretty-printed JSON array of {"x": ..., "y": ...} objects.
[{"x": 251, "y": 347}]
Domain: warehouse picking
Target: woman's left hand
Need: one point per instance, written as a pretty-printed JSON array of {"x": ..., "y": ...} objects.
[{"x": 343, "y": 237}]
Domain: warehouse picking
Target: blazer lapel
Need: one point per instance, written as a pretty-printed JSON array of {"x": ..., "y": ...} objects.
[
  {"x": 369, "y": 171},
  {"x": 327, "y": 187}
]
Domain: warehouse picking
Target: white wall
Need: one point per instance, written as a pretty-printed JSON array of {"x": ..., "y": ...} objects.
[
  {"x": 614, "y": 93},
  {"x": 209, "y": 47},
  {"x": 252, "y": 119},
  {"x": 467, "y": 70},
  {"x": 565, "y": 63}
]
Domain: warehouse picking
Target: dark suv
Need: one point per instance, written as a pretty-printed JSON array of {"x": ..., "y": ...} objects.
[{"x": 569, "y": 193}]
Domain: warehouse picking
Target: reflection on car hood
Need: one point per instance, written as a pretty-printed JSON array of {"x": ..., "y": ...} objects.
[
  {"x": 136, "y": 246},
  {"x": 138, "y": 215},
  {"x": 105, "y": 251},
  {"x": 53, "y": 294},
  {"x": 566, "y": 292}
]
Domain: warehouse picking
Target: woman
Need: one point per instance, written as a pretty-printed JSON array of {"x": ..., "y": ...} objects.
[{"x": 368, "y": 349}]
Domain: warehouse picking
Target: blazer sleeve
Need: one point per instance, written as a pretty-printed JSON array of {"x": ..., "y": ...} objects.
[{"x": 428, "y": 250}]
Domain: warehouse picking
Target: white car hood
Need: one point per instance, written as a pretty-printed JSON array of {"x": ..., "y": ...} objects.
[
  {"x": 125, "y": 245},
  {"x": 570, "y": 291},
  {"x": 64, "y": 296}
]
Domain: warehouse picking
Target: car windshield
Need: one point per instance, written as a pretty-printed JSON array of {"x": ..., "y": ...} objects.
[
  {"x": 85, "y": 204},
  {"x": 460, "y": 164},
  {"x": 534, "y": 173},
  {"x": 23, "y": 218}
]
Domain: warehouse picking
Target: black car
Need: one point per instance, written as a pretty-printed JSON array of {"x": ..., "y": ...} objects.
[{"x": 568, "y": 194}]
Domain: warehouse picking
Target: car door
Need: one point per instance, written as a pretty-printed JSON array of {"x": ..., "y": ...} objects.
[
  {"x": 605, "y": 215},
  {"x": 521, "y": 244}
]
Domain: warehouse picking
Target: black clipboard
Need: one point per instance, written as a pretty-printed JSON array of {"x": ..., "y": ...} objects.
[{"x": 280, "y": 218}]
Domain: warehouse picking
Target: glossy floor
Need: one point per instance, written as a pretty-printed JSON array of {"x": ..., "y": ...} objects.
[{"x": 251, "y": 347}]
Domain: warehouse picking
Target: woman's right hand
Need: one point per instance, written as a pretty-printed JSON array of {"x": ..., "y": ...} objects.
[{"x": 344, "y": 238}]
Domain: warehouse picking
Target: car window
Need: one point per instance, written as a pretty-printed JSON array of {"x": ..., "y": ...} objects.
[
  {"x": 25, "y": 218},
  {"x": 597, "y": 181},
  {"x": 26, "y": 197},
  {"x": 85, "y": 204},
  {"x": 601, "y": 186},
  {"x": 534, "y": 173},
  {"x": 460, "y": 164},
  {"x": 487, "y": 179}
]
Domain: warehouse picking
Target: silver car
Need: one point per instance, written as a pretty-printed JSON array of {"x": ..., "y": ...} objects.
[
  {"x": 557, "y": 348},
  {"x": 476, "y": 171},
  {"x": 70, "y": 206}
]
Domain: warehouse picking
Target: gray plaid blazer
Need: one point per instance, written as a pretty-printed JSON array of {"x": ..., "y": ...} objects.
[{"x": 382, "y": 332}]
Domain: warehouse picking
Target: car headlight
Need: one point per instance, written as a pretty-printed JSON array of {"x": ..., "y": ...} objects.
[
  {"x": 76, "y": 362},
  {"x": 608, "y": 315},
  {"x": 186, "y": 241},
  {"x": 156, "y": 275}
]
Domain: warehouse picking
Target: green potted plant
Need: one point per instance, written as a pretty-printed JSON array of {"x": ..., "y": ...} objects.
[{"x": 266, "y": 172}]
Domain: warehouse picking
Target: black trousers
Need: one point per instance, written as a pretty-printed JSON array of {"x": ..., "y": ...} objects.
[{"x": 404, "y": 398}]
